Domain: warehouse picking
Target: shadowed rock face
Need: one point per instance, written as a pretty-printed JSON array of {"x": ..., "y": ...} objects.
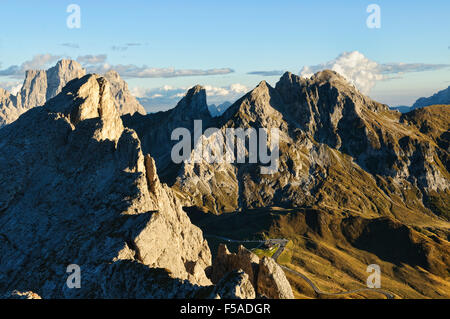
[
  {"x": 77, "y": 189},
  {"x": 155, "y": 130}
]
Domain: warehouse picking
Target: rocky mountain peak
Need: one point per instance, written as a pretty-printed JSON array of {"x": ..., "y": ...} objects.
[
  {"x": 87, "y": 98},
  {"x": 263, "y": 99},
  {"x": 34, "y": 89},
  {"x": 440, "y": 98},
  {"x": 325, "y": 94},
  {"x": 4, "y": 93},
  {"x": 124, "y": 101},
  {"x": 8, "y": 107},
  {"x": 59, "y": 75},
  {"x": 263, "y": 85},
  {"x": 329, "y": 76},
  {"x": 95, "y": 201},
  {"x": 259, "y": 107},
  {"x": 112, "y": 74},
  {"x": 195, "y": 89},
  {"x": 194, "y": 98},
  {"x": 217, "y": 110},
  {"x": 65, "y": 65},
  {"x": 193, "y": 105},
  {"x": 326, "y": 110},
  {"x": 291, "y": 85},
  {"x": 40, "y": 86},
  {"x": 288, "y": 77},
  {"x": 155, "y": 130}
]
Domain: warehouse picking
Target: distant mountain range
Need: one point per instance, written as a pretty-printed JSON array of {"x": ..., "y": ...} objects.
[
  {"x": 401, "y": 108},
  {"x": 155, "y": 105},
  {"x": 39, "y": 86},
  {"x": 88, "y": 178},
  {"x": 217, "y": 110},
  {"x": 357, "y": 169},
  {"x": 440, "y": 98}
]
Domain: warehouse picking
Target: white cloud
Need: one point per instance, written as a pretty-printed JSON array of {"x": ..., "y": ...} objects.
[
  {"x": 119, "y": 48},
  {"x": 38, "y": 62},
  {"x": 354, "y": 66},
  {"x": 98, "y": 64},
  {"x": 227, "y": 93},
  {"x": 70, "y": 45},
  {"x": 267, "y": 73},
  {"x": 12, "y": 87},
  {"x": 92, "y": 59},
  {"x": 133, "y": 71},
  {"x": 364, "y": 73},
  {"x": 216, "y": 91},
  {"x": 126, "y": 46},
  {"x": 400, "y": 68},
  {"x": 167, "y": 96},
  {"x": 239, "y": 88}
]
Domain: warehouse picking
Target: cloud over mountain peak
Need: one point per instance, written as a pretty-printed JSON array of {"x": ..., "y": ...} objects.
[{"x": 364, "y": 73}]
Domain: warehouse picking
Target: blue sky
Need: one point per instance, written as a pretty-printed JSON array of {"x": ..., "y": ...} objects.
[{"x": 236, "y": 37}]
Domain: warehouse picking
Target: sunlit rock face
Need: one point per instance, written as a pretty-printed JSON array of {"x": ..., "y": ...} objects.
[{"x": 40, "y": 86}]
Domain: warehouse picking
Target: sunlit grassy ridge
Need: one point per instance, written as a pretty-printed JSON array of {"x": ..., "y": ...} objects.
[{"x": 334, "y": 250}]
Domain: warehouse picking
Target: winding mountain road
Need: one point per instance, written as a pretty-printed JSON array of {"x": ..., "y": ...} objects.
[
  {"x": 320, "y": 292},
  {"x": 282, "y": 245}
]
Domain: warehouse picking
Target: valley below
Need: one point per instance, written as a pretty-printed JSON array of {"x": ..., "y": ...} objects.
[{"x": 321, "y": 264}]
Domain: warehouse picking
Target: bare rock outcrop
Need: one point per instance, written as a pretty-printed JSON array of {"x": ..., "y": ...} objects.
[
  {"x": 77, "y": 189},
  {"x": 9, "y": 109},
  {"x": 21, "y": 295},
  {"x": 124, "y": 101},
  {"x": 235, "y": 285},
  {"x": 155, "y": 130},
  {"x": 265, "y": 275},
  {"x": 226, "y": 262},
  {"x": 58, "y": 76},
  {"x": 272, "y": 281},
  {"x": 40, "y": 86}
]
